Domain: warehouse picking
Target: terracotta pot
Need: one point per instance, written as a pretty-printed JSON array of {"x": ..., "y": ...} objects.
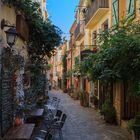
[{"x": 18, "y": 121}]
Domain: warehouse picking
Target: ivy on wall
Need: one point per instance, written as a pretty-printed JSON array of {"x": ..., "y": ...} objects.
[{"x": 43, "y": 35}]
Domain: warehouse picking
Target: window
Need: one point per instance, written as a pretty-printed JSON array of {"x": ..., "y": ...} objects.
[
  {"x": 130, "y": 11},
  {"x": 115, "y": 12}
]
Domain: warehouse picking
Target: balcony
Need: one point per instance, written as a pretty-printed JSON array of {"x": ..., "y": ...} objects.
[
  {"x": 88, "y": 47},
  {"x": 79, "y": 31},
  {"x": 88, "y": 50},
  {"x": 95, "y": 12}
]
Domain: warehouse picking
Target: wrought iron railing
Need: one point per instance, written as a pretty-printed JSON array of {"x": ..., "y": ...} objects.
[{"x": 97, "y": 4}]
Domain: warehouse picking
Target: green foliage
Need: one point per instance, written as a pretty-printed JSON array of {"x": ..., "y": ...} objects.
[
  {"x": 134, "y": 124},
  {"x": 18, "y": 110},
  {"x": 83, "y": 95},
  {"x": 108, "y": 111},
  {"x": 94, "y": 99},
  {"x": 40, "y": 102},
  {"x": 49, "y": 66},
  {"x": 43, "y": 35},
  {"x": 130, "y": 125},
  {"x": 118, "y": 58},
  {"x": 76, "y": 70}
]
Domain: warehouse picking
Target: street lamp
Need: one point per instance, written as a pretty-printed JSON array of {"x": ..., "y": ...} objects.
[
  {"x": 11, "y": 36},
  {"x": 11, "y": 33}
]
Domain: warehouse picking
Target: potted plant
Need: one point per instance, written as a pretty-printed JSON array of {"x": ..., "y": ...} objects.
[
  {"x": 94, "y": 100},
  {"x": 108, "y": 111},
  {"x": 76, "y": 95},
  {"x": 19, "y": 114},
  {"x": 86, "y": 99},
  {"x": 133, "y": 127}
]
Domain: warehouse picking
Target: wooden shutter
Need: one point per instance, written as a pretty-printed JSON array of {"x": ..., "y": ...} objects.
[
  {"x": 115, "y": 12},
  {"x": 131, "y": 6}
]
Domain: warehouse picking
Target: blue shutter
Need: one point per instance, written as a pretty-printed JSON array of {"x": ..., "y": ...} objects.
[
  {"x": 115, "y": 12},
  {"x": 131, "y": 6}
]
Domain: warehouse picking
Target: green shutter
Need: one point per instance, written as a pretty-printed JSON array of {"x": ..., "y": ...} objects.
[
  {"x": 131, "y": 6},
  {"x": 115, "y": 12}
]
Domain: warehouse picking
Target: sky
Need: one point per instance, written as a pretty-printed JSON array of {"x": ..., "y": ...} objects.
[{"x": 62, "y": 13}]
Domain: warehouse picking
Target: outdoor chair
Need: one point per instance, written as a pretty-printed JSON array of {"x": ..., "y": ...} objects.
[
  {"x": 51, "y": 101},
  {"x": 47, "y": 135},
  {"x": 49, "y": 119},
  {"x": 53, "y": 106},
  {"x": 57, "y": 126}
]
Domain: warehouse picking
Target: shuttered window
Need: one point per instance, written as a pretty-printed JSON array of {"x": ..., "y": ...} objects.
[
  {"x": 115, "y": 12},
  {"x": 131, "y": 6}
]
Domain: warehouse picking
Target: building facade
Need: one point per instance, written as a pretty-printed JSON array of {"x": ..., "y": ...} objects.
[
  {"x": 92, "y": 18},
  {"x": 11, "y": 71},
  {"x": 43, "y": 8},
  {"x": 72, "y": 53},
  {"x": 125, "y": 107}
]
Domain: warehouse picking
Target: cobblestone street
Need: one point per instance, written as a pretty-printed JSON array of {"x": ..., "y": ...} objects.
[{"x": 86, "y": 123}]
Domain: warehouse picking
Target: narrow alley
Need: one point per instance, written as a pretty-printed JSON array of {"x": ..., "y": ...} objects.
[
  {"x": 86, "y": 123},
  {"x": 69, "y": 69}
]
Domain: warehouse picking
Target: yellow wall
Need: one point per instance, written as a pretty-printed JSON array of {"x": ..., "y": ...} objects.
[
  {"x": 10, "y": 15},
  {"x": 97, "y": 27}
]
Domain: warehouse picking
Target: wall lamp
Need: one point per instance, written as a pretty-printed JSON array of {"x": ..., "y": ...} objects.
[{"x": 11, "y": 33}]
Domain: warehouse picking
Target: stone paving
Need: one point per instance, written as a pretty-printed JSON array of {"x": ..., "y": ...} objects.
[{"x": 86, "y": 123}]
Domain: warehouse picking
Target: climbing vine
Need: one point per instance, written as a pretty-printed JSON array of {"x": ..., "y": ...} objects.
[{"x": 43, "y": 35}]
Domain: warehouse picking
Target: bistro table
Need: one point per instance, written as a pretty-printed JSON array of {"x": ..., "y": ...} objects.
[
  {"x": 22, "y": 132},
  {"x": 35, "y": 116},
  {"x": 37, "y": 112}
]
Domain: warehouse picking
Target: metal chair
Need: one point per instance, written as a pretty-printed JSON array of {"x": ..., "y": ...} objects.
[
  {"x": 47, "y": 135},
  {"x": 50, "y": 119},
  {"x": 52, "y": 108},
  {"x": 57, "y": 126}
]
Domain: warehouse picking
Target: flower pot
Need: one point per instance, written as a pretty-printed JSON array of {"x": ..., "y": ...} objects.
[{"x": 18, "y": 121}]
